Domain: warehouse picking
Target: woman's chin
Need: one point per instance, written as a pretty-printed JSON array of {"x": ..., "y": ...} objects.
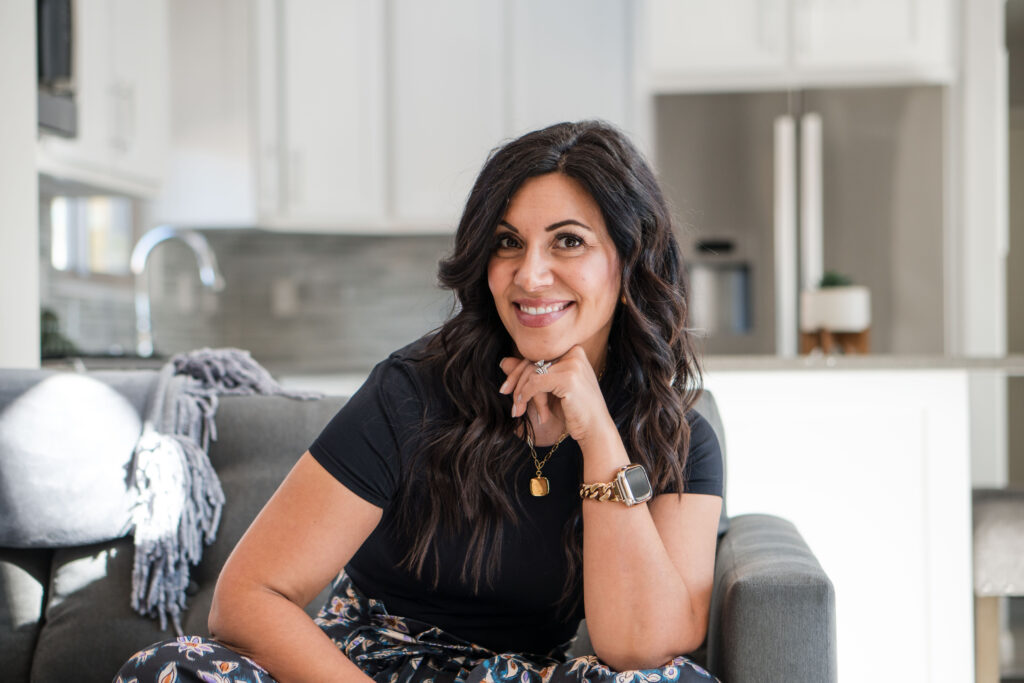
[{"x": 539, "y": 352}]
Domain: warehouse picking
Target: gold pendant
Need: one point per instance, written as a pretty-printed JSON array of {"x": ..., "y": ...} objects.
[{"x": 539, "y": 486}]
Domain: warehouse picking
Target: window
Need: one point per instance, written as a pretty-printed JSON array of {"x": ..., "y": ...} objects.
[{"x": 91, "y": 234}]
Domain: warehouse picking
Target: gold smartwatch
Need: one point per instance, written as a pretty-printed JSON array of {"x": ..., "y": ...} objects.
[{"x": 630, "y": 486}]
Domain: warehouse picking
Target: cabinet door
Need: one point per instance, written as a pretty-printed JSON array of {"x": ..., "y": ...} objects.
[
  {"x": 894, "y": 38},
  {"x": 121, "y": 92},
  {"x": 330, "y": 109},
  {"x": 701, "y": 45},
  {"x": 86, "y": 157},
  {"x": 447, "y": 104},
  {"x": 570, "y": 60},
  {"x": 138, "y": 90}
]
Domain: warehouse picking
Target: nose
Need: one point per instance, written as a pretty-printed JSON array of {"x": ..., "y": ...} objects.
[{"x": 534, "y": 271}]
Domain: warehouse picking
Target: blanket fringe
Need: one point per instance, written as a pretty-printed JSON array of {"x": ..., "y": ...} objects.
[{"x": 179, "y": 498}]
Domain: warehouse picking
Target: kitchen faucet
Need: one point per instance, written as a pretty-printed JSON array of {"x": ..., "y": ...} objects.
[{"x": 209, "y": 274}]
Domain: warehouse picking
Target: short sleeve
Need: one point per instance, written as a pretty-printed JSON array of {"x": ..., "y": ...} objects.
[
  {"x": 703, "y": 470},
  {"x": 364, "y": 444}
]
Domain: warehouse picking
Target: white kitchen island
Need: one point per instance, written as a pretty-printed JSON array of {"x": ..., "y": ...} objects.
[{"x": 871, "y": 459}]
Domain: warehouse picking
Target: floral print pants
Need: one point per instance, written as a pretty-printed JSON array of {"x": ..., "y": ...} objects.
[{"x": 389, "y": 649}]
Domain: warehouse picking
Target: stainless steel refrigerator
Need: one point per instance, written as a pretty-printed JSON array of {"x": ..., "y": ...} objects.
[{"x": 771, "y": 189}]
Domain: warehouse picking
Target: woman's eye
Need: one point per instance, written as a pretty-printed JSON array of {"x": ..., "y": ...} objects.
[
  {"x": 506, "y": 241},
  {"x": 569, "y": 241}
]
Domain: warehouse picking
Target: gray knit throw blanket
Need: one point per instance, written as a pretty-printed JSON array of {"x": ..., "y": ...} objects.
[{"x": 179, "y": 498}]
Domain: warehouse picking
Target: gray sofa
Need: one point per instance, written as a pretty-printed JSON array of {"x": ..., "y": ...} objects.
[{"x": 65, "y": 615}]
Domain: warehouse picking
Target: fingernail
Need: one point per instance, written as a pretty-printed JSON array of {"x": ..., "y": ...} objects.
[{"x": 503, "y": 389}]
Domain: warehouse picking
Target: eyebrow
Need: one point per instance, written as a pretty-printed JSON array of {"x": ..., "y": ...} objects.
[{"x": 553, "y": 226}]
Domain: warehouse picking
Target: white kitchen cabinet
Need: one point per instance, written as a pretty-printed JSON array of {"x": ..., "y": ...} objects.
[
  {"x": 840, "y": 38},
  {"x": 211, "y": 177},
  {"x": 695, "y": 45},
  {"x": 373, "y": 116},
  {"x": 321, "y": 117},
  {"x": 121, "y": 62},
  {"x": 570, "y": 60},
  {"x": 448, "y": 104},
  {"x": 471, "y": 74},
  {"x": 695, "y": 42}
]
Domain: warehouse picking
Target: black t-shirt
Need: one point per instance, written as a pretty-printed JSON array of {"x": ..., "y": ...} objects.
[{"x": 366, "y": 445}]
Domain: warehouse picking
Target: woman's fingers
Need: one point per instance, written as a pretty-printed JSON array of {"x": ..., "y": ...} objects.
[
  {"x": 527, "y": 386},
  {"x": 568, "y": 390},
  {"x": 540, "y": 402},
  {"x": 513, "y": 368},
  {"x": 570, "y": 375}
]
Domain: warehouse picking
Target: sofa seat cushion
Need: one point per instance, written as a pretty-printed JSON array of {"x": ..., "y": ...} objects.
[{"x": 24, "y": 575}]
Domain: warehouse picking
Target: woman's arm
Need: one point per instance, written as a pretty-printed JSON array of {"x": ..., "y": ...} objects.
[
  {"x": 301, "y": 539},
  {"x": 647, "y": 569}
]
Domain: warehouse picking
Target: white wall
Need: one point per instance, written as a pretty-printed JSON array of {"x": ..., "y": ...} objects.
[
  {"x": 19, "y": 187},
  {"x": 978, "y": 237}
]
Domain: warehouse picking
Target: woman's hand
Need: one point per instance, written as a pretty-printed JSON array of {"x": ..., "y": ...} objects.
[{"x": 568, "y": 391}]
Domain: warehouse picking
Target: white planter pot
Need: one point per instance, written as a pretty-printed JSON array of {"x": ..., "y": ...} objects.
[{"x": 837, "y": 309}]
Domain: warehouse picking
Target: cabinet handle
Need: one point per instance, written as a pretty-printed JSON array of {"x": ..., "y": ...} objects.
[
  {"x": 295, "y": 179},
  {"x": 270, "y": 180},
  {"x": 116, "y": 118},
  {"x": 785, "y": 237},
  {"x": 128, "y": 101},
  {"x": 122, "y": 119}
]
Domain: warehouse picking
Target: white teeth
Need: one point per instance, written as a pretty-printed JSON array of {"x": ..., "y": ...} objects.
[{"x": 543, "y": 309}]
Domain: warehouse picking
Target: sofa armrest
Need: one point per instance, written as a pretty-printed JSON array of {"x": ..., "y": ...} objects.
[{"x": 772, "y": 608}]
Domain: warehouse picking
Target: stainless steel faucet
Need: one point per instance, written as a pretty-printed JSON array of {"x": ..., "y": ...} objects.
[{"x": 209, "y": 274}]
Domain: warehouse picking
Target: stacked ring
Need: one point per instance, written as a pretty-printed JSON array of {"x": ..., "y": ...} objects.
[{"x": 542, "y": 367}]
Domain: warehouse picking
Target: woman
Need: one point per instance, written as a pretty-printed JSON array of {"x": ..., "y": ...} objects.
[{"x": 449, "y": 487}]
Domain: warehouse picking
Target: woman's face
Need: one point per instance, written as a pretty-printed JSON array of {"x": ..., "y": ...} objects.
[{"x": 554, "y": 272}]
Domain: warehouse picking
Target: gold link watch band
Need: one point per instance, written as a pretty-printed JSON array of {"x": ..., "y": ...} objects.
[
  {"x": 631, "y": 486},
  {"x": 603, "y": 492}
]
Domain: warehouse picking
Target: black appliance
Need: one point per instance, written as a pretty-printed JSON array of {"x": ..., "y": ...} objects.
[{"x": 58, "y": 113}]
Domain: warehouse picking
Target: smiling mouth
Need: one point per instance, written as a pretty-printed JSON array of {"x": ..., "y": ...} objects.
[{"x": 541, "y": 310}]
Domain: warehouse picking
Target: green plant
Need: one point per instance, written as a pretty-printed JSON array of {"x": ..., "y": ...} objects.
[{"x": 833, "y": 279}]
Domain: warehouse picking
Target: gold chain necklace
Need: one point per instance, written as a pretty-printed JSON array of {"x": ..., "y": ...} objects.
[{"x": 539, "y": 483}]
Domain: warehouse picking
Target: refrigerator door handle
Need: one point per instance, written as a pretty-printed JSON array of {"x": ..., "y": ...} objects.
[
  {"x": 812, "y": 235},
  {"x": 785, "y": 232}
]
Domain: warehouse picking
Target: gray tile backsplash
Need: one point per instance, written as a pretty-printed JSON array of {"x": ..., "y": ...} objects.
[{"x": 298, "y": 302}]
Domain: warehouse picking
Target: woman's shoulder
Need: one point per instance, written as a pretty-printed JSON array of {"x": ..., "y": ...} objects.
[{"x": 409, "y": 372}]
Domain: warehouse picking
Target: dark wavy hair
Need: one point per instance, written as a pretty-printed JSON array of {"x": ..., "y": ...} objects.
[{"x": 651, "y": 360}]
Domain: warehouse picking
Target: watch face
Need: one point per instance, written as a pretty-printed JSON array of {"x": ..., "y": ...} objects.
[{"x": 639, "y": 484}]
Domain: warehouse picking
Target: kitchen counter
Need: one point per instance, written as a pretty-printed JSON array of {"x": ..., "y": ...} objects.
[
  {"x": 1012, "y": 365},
  {"x": 309, "y": 376},
  {"x": 345, "y": 383}
]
